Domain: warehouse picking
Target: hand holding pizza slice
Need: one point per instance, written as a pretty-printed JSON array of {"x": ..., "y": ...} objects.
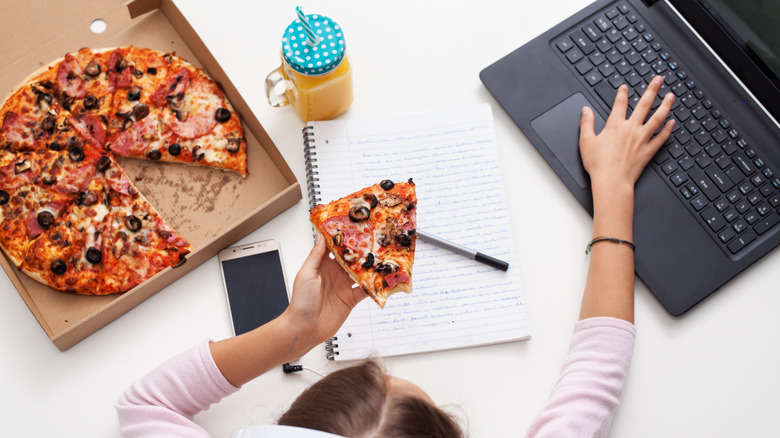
[{"x": 372, "y": 234}]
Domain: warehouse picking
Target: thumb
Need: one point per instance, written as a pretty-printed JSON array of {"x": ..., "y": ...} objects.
[
  {"x": 314, "y": 260},
  {"x": 587, "y": 121}
]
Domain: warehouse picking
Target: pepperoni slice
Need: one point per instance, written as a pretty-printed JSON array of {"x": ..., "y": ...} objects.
[
  {"x": 69, "y": 78},
  {"x": 131, "y": 142},
  {"x": 176, "y": 83},
  {"x": 397, "y": 278},
  {"x": 90, "y": 128},
  {"x": 194, "y": 126},
  {"x": 18, "y": 130}
]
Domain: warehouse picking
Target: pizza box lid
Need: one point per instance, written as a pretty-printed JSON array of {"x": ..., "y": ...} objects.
[{"x": 212, "y": 209}]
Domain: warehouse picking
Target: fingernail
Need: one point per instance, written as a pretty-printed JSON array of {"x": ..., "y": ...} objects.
[
  {"x": 657, "y": 80},
  {"x": 585, "y": 110},
  {"x": 669, "y": 96}
]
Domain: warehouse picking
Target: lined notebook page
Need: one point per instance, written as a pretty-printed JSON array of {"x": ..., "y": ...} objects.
[{"x": 453, "y": 159}]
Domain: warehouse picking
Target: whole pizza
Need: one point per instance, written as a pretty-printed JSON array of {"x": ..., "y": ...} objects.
[
  {"x": 372, "y": 233},
  {"x": 69, "y": 216}
]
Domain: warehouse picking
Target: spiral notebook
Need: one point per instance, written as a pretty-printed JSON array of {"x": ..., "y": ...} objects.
[{"x": 452, "y": 157}]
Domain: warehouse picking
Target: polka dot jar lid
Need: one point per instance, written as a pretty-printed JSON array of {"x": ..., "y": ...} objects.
[{"x": 318, "y": 58}]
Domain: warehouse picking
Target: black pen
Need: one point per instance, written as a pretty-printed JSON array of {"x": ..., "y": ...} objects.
[{"x": 470, "y": 253}]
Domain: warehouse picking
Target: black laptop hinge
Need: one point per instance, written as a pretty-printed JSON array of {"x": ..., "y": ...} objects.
[{"x": 649, "y": 3}]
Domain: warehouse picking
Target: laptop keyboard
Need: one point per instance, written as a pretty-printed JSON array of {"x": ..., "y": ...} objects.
[{"x": 707, "y": 162}]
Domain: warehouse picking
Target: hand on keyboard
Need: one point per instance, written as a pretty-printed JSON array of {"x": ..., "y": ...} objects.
[{"x": 624, "y": 147}]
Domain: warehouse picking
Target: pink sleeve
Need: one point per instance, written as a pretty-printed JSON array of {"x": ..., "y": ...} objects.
[
  {"x": 587, "y": 394},
  {"x": 163, "y": 402}
]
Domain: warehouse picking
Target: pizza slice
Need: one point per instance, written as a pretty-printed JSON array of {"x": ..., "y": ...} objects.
[
  {"x": 108, "y": 239},
  {"x": 372, "y": 234}
]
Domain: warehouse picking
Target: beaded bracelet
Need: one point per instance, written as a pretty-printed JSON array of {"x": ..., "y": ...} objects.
[{"x": 608, "y": 239}]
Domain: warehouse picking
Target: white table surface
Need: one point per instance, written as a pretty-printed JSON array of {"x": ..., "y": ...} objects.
[{"x": 712, "y": 372}]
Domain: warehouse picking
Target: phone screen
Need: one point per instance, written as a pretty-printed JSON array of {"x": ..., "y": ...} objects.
[{"x": 256, "y": 289}]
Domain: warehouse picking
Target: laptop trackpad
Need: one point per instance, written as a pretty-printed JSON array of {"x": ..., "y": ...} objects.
[{"x": 559, "y": 127}]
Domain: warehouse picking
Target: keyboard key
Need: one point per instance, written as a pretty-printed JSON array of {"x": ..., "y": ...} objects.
[
  {"x": 574, "y": 56},
  {"x": 607, "y": 70},
  {"x": 730, "y": 215},
  {"x": 685, "y": 162},
  {"x": 743, "y": 163},
  {"x": 698, "y": 203},
  {"x": 623, "y": 8},
  {"x": 719, "y": 136},
  {"x": 630, "y": 34},
  {"x": 564, "y": 45},
  {"x": 741, "y": 241},
  {"x": 679, "y": 179},
  {"x": 593, "y": 78},
  {"x": 597, "y": 59},
  {"x": 726, "y": 235},
  {"x": 612, "y": 13},
  {"x": 713, "y": 219},
  {"x": 721, "y": 180},
  {"x": 752, "y": 217},
  {"x": 605, "y": 91},
  {"x": 583, "y": 67},
  {"x": 616, "y": 81},
  {"x": 581, "y": 41},
  {"x": 763, "y": 209},
  {"x": 766, "y": 223},
  {"x": 602, "y": 23},
  {"x": 643, "y": 68},
  {"x": 739, "y": 226},
  {"x": 621, "y": 23},
  {"x": 705, "y": 184},
  {"x": 592, "y": 32}
]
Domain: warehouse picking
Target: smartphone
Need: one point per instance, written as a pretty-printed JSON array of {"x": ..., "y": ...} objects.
[{"x": 255, "y": 284}]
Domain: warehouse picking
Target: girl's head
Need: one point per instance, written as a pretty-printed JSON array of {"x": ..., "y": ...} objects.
[{"x": 363, "y": 401}]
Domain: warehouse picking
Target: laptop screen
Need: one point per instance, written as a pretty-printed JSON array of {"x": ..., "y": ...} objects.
[{"x": 746, "y": 35}]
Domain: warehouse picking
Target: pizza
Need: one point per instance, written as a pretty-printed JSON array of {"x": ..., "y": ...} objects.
[
  {"x": 372, "y": 234},
  {"x": 69, "y": 215}
]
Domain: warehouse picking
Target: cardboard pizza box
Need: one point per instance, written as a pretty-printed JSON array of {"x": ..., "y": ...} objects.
[{"x": 212, "y": 209}]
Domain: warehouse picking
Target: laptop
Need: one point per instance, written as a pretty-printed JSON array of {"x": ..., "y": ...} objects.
[{"x": 708, "y": 204}]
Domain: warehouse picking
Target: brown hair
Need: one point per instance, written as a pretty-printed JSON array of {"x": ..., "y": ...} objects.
[{"x": 355, "y": 402}]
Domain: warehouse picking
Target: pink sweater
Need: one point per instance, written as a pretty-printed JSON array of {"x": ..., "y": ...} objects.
[{"x": 582, "y": 403}]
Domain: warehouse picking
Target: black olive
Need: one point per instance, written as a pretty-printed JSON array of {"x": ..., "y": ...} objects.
[
  {"x": 91, "y": 102},
  {"x": 154, "y": 154},
  {"x": 151, "y": 70},
  {"x": 359, "y": 214},
  {"x": 58, "y": 267},
  {"x": 134, "y": 94},
  {"x": 132, "y": 223},
  {"x": 4, "y": 197},
  {"x": 138, "y": 73},
  {"x": 103, "y": 163},
  {"x": 55, "y": 146},
  {"x": 94, "y": 255},
  {"x": 93, "y": 68},
  {"x": 404, "y": 239},
  {"x": 174, "y": 149},
  {"x": 49, "y": 179},
  {"x": 369, "y": 261},
  {"x": 386, "y": 184},
  {"x": 43, "y": 97},
  {"x": 371, "y": 199},
  {"x": 45, "y": 219},
  {"x": 140, "y": 111},
  {"x": 48, "y": 123},
  {"x": 76, "y": 153},
  {"x": 87, "y": 197},
  {"x": 383, "y": 240},
  {"x": 233, "y": 144},
  {"x": 222, "y": 115}
]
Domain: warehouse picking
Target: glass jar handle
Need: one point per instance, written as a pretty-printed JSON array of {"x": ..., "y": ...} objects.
[{"x": 273, "y": 82}]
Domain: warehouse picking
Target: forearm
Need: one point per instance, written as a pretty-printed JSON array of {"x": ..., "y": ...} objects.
[
  {"x": 247, "y": 356},
  {"x": 609, "y": 289}
]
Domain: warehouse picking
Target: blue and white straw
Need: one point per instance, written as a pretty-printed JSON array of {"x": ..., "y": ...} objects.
[{"x": 310, "y": 36}]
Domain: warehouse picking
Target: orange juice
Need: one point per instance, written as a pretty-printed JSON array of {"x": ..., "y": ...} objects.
[
  {"x": 323, "y": 96},
  {"x": 315, "y": 76}
]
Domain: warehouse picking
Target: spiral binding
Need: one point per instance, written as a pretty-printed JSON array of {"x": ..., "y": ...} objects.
[
  {"x": 310, "y": 161},
  {"x": 331, "y": 348}
]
